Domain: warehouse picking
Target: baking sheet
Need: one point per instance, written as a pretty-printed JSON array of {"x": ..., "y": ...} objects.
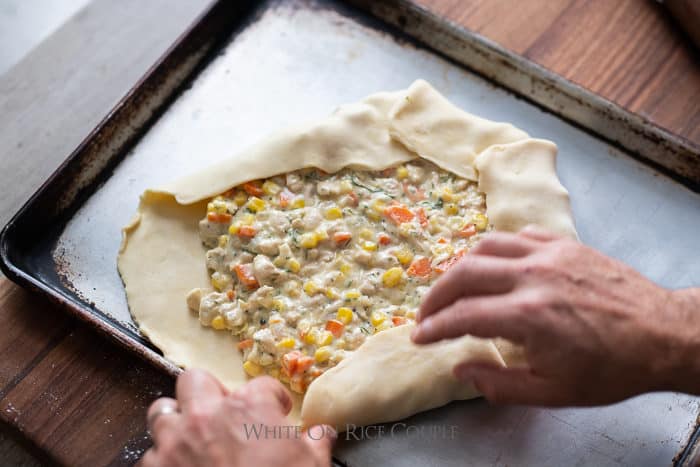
[{"x": 297, "y": 60}]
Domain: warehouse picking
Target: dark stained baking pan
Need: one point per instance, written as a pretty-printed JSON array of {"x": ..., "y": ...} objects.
[{"x": 244, "y": 69}]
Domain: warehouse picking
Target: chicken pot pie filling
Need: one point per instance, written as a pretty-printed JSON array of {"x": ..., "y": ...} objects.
[{"x": 305, "y": 266}]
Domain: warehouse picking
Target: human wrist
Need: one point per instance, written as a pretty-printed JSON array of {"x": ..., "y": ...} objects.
[{"x": 683, "y": 357}]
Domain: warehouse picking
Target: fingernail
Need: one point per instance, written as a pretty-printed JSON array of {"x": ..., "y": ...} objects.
[{"x": 421, "y": 330}]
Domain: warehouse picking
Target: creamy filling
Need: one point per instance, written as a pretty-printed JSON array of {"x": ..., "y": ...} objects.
[{"x": 305, "y": 266}]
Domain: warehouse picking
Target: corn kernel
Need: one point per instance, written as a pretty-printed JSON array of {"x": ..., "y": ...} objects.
[
  {"x": 311, "y": 336},
  {"x": 220, "y": 281},
  {"x": 278, "y": 305},
  {"x": 308, "y": 240},
  {"x": 392, "y": 277},
  {"x": 451, "y": 209},
  {"x": 287, "y": 343},
  {"x": 240, "y": 198},
  {"x": 310, "y": 288},
  {"x": 279, "y": 261},
  {"x": 455, "y": 223},
  {"x": 377, "y": 318},
  {"x": 270, "y": 187},
  {"x": 218, "y": 206},
  {"x": 322, "y": 354},
  {"x": 218, "y": 323},
  {"x": 247, "y": 219},
  {"x": 345, "y": 186},
  {"x": 345, "y": 268},
  {"x": 442, "y": 249},
  {"x": 352, "y": 294},
  {"x": 253, "y": 369},
  {"x": 401, "y": 172},
  {"x": 325, "y": 338},
  {"x": 274, "y": 372},
  {"x": 234, "y": 228},
  {"x": 223, "y": 241},
  {"x": 334, "y": 213},
  {"x": 447, "y": 195},
  {"x": 292, "y": 289},
  {"x": 378, "y": 206},
  {"x": 366, "y": 233},
  {"x": 332, "y": 294},
  {"x": 321, "y": 235},
  {"x": 404, "y": 255},
  {"x": 405, "y": 229},
  {"x": 411, "y": 314},
  {"x": 480, "y": 221},
  {"x": 255, "y": 204},
  {"x": 383, "y": 327},
  {"x": 344, "y": 315},
  {"x": 293, "y": 265},
  {"x": 298, "y": 203},
  {"x": 369, "y": 246}
]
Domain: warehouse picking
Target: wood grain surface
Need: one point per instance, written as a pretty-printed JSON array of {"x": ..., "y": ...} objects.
[
  {"x": 628, "y": 51},
  {"x": 79, "y": 400}
]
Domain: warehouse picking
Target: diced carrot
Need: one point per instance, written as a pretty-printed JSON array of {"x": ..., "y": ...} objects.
[
  {"x": 468, "y": 231},
  {"x": 341, "y": 238},
  {"x": 384, "y": 239},
  {"x": 253, "y": 188},
  {"x": 298, "y": 384},
  {"x": 231, "y": 294},
  {"x": 399, "y": 214},
  {"x": 286, "y": 198},
  {"x": 245, "y": 344},
  {"x": 245, "y": 276},
  {"x": 413, "y": 192},
  {"x": 442, "y": 240},
  {"x": 304, "y": 363},
  {"x": 247, "y": 231},
  {"x": 398, "y": 320},
  {"x": 217, "y": 217},
  {"x": 290, "y": 361},
  {"x": 449, "y": 262},
  {"x": 335, "y": 327},
  {"x": 422, "y": 218},
  {"x": 420, "y": 267}
]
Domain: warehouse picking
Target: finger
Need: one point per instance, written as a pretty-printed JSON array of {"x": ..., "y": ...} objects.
[
  {"x": 534, "y": 232},
  {"x": 320, "y": 439},
  {"x": 196, "y": 388},
  {"x": 161, "y": 412},
  {"x": 472, "y": 275},
  {"x": 506, "y": 245},
  {"x": 509, "y": 385},
  {"x": 149, "y": 459},
  {"x": 267, "y": 389},
  {"x": 490, "y": 316}
]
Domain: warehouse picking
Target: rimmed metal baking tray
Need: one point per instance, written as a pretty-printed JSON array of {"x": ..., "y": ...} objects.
[{"x": 245, "y": 69}]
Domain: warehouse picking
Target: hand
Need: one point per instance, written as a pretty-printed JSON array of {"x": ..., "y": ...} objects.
[
  {"x": 211, "y": 426},
  {"x": 593, "y": 330}
]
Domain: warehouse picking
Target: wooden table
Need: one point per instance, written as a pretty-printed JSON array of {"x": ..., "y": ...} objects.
[{"x": 76, "y": 399}]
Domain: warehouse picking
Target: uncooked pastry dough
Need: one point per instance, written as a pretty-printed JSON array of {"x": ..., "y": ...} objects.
[{"x": 162, "y": 258}]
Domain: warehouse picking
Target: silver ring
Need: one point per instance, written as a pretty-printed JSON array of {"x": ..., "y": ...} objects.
[{"x": 165, "y": 410}]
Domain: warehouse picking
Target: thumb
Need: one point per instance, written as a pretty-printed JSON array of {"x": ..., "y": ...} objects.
[
  {"x": 502, "y": 385},
  {"x": 320, "y": 438}
]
